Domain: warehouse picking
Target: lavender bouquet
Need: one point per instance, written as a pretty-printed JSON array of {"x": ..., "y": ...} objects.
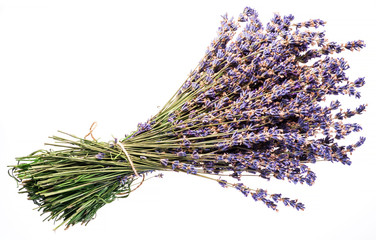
[{"x": 254, "y": 106}]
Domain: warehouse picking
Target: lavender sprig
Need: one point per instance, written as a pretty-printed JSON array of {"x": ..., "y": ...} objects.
[{"x": 255, "y": 105}]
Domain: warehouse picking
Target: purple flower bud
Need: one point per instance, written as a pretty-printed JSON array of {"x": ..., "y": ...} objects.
[
  {"x": 164, "y": 162},
  {"x": 222, "y": 182},
  {"x": 99, "y": 156},
  {"x": 181, "y": 154}
]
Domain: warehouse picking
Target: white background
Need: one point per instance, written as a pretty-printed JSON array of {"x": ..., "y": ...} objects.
[{"x": 65, "y": 64}]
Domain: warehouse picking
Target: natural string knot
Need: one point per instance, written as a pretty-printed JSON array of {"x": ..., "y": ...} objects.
[
  {"x": 92, "y": 127},
  {"x": 127, "y": 155}
]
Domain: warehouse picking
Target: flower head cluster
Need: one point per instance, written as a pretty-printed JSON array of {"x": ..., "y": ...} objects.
[{"x": 256, "y": 104}]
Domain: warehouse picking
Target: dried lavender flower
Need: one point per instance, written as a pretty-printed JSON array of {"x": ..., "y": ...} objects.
[{"x": 255, "y": 105}]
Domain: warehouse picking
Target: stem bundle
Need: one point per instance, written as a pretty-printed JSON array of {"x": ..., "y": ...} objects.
[{"x": 255, "y": 105}]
